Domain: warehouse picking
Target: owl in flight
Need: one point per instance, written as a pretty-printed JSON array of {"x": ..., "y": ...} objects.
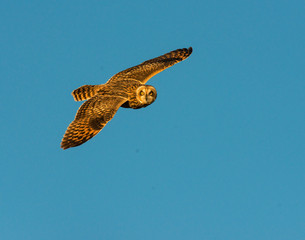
[{"x": 126, "y": 89}]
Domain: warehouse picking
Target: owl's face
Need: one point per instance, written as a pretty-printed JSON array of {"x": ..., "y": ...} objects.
[{"x": 146, "y": 94}]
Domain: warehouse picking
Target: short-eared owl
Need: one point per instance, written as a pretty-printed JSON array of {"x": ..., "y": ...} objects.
[{"x": 125, "y": 89}]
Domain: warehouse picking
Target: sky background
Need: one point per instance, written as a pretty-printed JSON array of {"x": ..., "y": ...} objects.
[{"x": 220, "y": 153}]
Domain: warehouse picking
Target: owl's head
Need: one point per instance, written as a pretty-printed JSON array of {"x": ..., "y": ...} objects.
[{"x": 146, "y": 94}]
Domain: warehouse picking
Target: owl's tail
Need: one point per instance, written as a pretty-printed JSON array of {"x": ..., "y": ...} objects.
[{"x": 85, "y": 92}]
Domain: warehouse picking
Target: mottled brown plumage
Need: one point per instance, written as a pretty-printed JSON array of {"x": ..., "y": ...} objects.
[{"x": 125, "y": 89}]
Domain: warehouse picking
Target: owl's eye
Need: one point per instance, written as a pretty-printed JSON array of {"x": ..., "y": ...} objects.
[
  {"x": 141, "y": 93},
  {"x": 151, "y": 93}
]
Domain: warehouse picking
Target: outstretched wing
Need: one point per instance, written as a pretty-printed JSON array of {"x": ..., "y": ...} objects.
[
  {"x": 91, "y": 117},
  {"x": 148, "y": 69}
]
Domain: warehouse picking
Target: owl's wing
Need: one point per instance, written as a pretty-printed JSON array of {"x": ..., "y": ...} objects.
[
  {"x": 148, "y": 69},
  {"x": 91, "y": 117}
]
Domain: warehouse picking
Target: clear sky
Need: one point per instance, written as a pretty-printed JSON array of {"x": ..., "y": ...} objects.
[{"x": 220, "y": 153}]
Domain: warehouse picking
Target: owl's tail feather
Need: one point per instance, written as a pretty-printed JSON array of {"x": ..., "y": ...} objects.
[{"x": 85, "y": 92}]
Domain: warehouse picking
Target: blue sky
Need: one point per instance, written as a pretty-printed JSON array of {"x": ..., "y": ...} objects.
[{"x": 219, "y": 155}]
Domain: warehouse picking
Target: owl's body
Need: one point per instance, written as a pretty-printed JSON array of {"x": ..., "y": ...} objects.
[{"x": 125, "y": 89}]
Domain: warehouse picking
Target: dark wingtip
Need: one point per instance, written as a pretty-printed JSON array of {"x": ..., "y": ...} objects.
[{"x": 190, "y": 49}]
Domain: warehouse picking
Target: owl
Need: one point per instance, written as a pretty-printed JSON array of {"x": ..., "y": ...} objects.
[{"x": 125, "y": 89}]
